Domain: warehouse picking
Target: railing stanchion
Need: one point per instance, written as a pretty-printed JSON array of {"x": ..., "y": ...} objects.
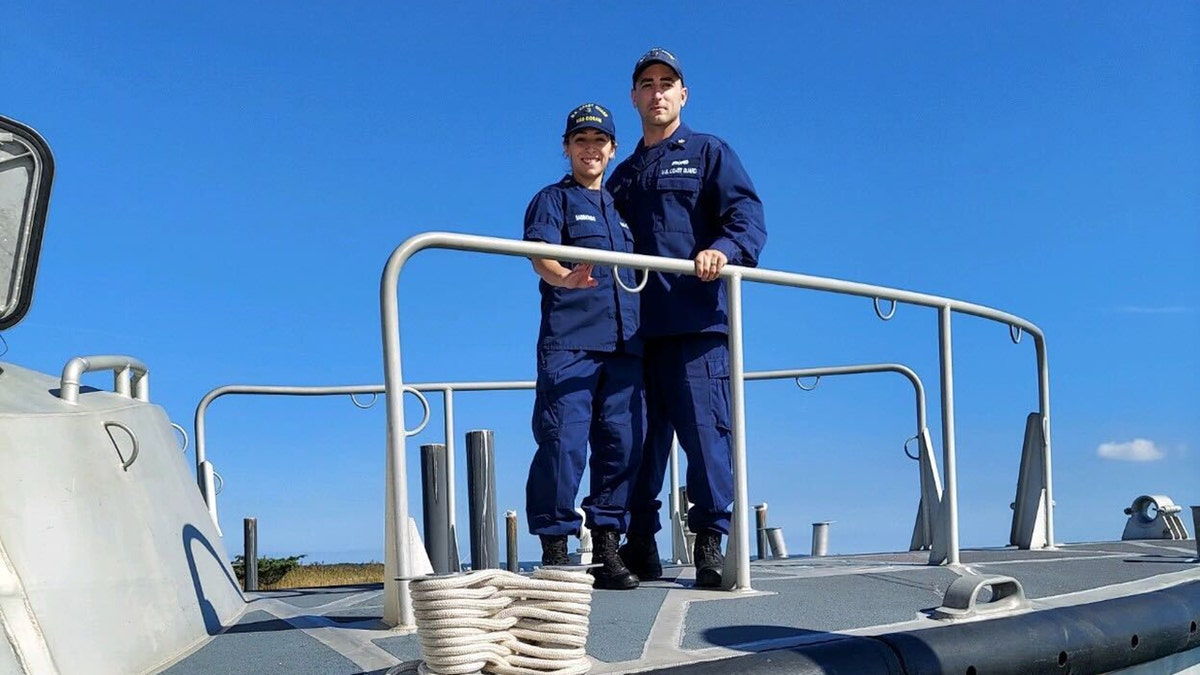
[
  {"x": 451, "y": 503},
  {"x": 677, "y": 510},
  {"x": 947, "y": 381},
  {"x": 1044, "y": 406},
  {"x": 739, "y": 539},
  {"x": 397, "y": 602}
]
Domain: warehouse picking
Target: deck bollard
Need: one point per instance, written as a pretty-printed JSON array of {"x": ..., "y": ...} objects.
[
  {"x": 250, "y": 554},
  {"x": 820, "y": 542},
  {"x": 778, "y": 546},
  {"x": 760, "y": 517},
  {"x": 435, "y": 491},
  {"x": 481, "y": 499},
  {"x": 510, "y": 530}
]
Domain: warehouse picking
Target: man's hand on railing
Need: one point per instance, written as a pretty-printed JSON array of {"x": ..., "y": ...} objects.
[{"x": 709, "y": 264}]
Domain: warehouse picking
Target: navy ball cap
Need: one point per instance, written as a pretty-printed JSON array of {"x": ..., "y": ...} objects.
[
  {"x": 657, "y": 55},
  {"x": 590, "y": 116}
]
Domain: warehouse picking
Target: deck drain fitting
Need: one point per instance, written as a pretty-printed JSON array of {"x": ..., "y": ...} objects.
[
  {"x": 962, "y": 597},
  {"x": 494, "y": 621}
]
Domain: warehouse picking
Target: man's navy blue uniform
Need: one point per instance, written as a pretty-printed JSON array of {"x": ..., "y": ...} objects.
[
  {"x": 589, "y": 381},
  {"x": 683, "y": 195}
]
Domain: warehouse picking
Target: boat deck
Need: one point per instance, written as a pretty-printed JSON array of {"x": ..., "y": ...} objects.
[{"x": 806, "y": 615}]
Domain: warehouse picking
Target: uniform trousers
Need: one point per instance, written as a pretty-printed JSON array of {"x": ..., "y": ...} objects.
[
  {"x": 687, "y": 394},
  {"x": 584, "y": 397}
]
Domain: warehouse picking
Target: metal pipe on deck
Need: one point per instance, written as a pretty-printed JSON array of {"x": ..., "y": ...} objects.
[
  {"x": 250, "y": 554},
  {"x": 481, "y": 499},
  {"x": 760, "y": 519},
  {"x": 510, "y": 531},
  {"x": 435, "y": 497},
  {"x": 820, "y": 539}
]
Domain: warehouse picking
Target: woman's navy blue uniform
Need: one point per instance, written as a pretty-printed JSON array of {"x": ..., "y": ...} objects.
[{"x": 589, "y": 371}]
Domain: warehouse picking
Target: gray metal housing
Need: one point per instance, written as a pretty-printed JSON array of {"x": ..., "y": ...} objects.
[{"x": 96, "y": 495}]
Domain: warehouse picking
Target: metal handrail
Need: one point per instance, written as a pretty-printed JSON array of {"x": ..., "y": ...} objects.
[
  {"x": 123, "y": 368},
  {"x": 918, "y": 386},
  {"x": 283, "y": 390},
  {"x": 448, "y": 389},
  {"x": 397, "y": 602},
  {"x": 798, "y": 373}
]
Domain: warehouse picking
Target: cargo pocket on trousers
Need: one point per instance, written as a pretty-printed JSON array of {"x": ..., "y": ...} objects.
[{"x": 718, "y": 388}]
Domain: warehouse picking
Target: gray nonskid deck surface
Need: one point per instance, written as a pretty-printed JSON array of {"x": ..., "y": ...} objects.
[
  {"x": 261, "y": 643},
  {"x": 811, "y": 607},
  {"x": 796, "y": 601}
]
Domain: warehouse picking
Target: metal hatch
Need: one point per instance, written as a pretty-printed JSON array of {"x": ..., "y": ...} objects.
[{"x": 26, "y": 171}]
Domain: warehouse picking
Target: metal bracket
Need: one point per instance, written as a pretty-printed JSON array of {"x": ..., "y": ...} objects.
[
  {"x": 962, "y": 597},
  {"x": 133, "y": 454}
]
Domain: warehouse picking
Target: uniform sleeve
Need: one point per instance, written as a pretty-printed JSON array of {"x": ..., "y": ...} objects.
[
  {"x": 544, "y": 219},
  {"x": 743, "y": 232}
]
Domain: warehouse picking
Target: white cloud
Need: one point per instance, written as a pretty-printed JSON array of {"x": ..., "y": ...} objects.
[{"x": 1137, "y": 450}]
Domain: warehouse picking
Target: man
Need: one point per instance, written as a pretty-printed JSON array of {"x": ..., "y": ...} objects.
[{"x": 685, "y": 195}]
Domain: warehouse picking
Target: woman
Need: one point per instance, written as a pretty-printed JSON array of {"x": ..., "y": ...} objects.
[{"x": 589, "y": 359}]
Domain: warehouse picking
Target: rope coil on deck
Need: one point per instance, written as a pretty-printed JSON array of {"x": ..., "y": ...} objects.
[{"x": 494, "y": 621}]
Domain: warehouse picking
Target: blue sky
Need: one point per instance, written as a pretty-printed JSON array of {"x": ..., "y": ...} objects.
[{"x": 233, "y": 176}]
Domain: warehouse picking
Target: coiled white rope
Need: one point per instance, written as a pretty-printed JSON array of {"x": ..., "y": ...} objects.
[{"x": 493, "y": 621}]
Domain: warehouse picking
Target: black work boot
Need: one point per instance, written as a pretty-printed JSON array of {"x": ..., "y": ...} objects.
[
  {"x": 710, "y": 562},
  {"x": 640, "y": 555},
  {"x": 554, "y": 549},
  {"x": 614, "y": 575}
]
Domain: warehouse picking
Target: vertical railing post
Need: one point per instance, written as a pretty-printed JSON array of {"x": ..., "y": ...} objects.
[
  {"x": 1044, "y": 408},
  {"x": 739, "y": 538},
  {"x": 947, "y": 382},
  {"x": 678, "y": 540},
  {"x": 121, "y": 381},
  {"x": 451, "y": 499},
  {"x": 397, "y": 603}
]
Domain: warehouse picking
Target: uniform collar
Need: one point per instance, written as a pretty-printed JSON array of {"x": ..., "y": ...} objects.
[
  {"x": 675, "y": 141},
  {"x": 568, "y": 181}
]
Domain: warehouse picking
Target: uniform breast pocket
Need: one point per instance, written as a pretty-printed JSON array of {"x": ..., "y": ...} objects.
[
  {"x": 587, "y": 233},
  {"x": 678, "y": 196}
]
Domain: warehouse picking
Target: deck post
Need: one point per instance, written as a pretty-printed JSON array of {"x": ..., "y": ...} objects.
[
  {"x": 250, "y": 554},
  {"x": 435, "y": 502}
]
